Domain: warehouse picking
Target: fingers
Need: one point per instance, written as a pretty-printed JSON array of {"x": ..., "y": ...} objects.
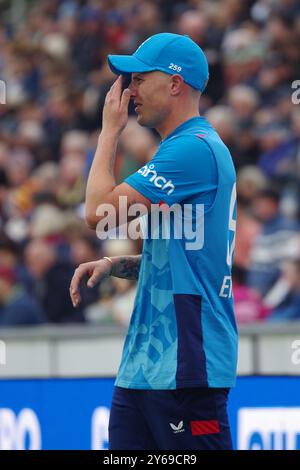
[
  {"x": 116, "y": 91},
  {"x": 74, "y": 286},
  {"x": 125, "y": 98},
  {"x": 94, "y": 277},
  {"x": 88, "y": 269},
  {"x": 115, "y": 111},
  {"x": 116, "y": 88}
]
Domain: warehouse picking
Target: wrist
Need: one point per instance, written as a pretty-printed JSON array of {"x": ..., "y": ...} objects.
[
  {"x": 109, "y": 133},
  {"x": 111, "y": 264}
]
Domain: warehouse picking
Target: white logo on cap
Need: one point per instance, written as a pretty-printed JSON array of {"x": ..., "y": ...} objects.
[{"x": 175, "y": 67}]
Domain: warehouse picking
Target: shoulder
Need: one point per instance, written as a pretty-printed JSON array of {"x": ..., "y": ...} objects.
[
  {"x": 193, "y": 138},
  {"x": 185, "y": 147}
]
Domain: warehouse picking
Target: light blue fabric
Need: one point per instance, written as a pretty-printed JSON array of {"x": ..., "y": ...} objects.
[
  {"x": 170, "y": 53},
  {"x": 192, "y": 166}
]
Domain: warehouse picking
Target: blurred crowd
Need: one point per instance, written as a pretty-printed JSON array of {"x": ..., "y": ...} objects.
[{"x": 53, "y": 62}]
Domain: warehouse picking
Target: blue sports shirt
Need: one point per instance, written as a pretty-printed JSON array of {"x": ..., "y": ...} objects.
[{"x": 182, "y": 331}]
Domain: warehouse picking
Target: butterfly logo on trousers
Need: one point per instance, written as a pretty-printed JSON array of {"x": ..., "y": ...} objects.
[{"x": 178, "y": 428}]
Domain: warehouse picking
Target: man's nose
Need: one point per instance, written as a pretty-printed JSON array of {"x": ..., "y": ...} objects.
[{"x": 132, "y": 89}]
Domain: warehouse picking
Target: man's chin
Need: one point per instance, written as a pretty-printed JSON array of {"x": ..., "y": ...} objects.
[{"x": 142, "y": 121}]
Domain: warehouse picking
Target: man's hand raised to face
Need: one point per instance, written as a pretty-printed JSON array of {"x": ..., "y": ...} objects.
[{"x": 115, "y": 111}]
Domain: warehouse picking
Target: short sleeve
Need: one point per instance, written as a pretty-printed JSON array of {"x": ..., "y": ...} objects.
[{"x": 182, "y": 167}]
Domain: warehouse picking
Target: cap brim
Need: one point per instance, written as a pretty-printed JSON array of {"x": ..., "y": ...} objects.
[{"x": 125, "y": 64}]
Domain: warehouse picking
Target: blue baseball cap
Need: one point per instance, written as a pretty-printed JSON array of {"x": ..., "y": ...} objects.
[{"x": 169, "y": 53}]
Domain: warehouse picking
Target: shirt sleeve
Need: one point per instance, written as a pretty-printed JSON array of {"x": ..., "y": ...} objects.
[{"x": 182, "y": 167}]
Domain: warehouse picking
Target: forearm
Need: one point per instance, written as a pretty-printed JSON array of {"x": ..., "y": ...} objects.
[
  {"x": 101, "y": 180},
  {"x": 126, "y": 267}
]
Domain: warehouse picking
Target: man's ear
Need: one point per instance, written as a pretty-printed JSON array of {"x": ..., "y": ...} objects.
[{"x": 176, "y": 84}]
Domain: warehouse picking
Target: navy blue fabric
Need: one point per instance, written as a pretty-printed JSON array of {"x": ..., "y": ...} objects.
[
  {"x": 191, "y": 361},
  {"x": 161, "y": 419}
]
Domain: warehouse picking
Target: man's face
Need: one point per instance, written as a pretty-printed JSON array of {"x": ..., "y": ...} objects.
[
  {"x": 265, "y": 208},
  {"x": 150, "y": 93}
]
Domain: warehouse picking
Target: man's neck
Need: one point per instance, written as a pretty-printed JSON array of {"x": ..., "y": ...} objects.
[{"x": 173, "y": 121}]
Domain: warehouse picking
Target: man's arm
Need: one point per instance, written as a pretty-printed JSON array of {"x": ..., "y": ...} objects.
[
  {"x": 101, "y": 185},
  {"x": 126, "y": 267}
]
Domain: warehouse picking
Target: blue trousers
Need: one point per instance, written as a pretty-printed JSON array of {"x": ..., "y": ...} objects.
[{"x": 189, "y": 419}]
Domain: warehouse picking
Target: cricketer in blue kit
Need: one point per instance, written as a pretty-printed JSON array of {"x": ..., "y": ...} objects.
[{"x": 180, "y": 355}]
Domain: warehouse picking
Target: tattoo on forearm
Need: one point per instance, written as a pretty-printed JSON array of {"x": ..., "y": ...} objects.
[{"x": 127, "y": 267}]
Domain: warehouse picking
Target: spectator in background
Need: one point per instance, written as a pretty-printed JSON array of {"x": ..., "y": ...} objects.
[
  {"x": 85, "y": 248},
  {"x": 10, "y": 256},
  {"x": 275, "y": 158},
  {"x": 142, "y": 20},
  {"x": 71, "y": 187},
  {"x": 275, "y": 242},
  {"x": 247, "y": 230},
  {"x": 88, "y": 36},
  {"x": 16, "y": 306},
  {"x": 200, "y": 25},
  {"x": 53, "y": 63},
  {"x": 243, "y": 54},
  {"x": 123, "y": 290},
  {"x": 138, "y": 146},
  {"x": 50, "y": 284},
  {"x": 115, "y": 295},
  {"x": 248, "y": 304},
  {"x": 289, "y": 307},
  {"x": 223, "y": 120},
  {"x": 47, "y": 180},
  {"x": 250, "y": 181},
  {"x": 244, "y": 101}
]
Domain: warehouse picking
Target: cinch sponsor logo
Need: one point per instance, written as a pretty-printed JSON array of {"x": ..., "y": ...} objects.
[
  {"x": 159, "y": 181},
  {"x": 269, "y": 429}
]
